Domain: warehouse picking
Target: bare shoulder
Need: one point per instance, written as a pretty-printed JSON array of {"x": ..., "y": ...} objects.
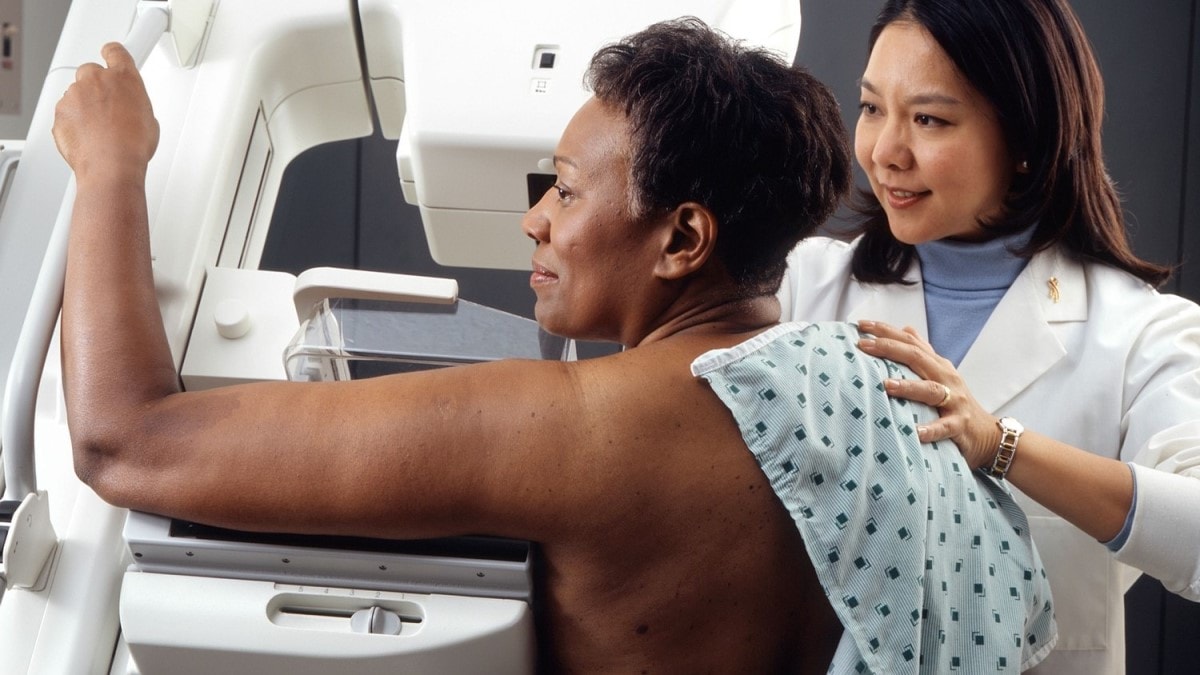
[
  {"x": 659, "y": 434},
  {"x": 634, "y": 431},
  {"x": 621, "y": 423},
  {"x": 514, "y": 448}
]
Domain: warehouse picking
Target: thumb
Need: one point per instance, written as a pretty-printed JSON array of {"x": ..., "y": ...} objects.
[{"x": 117, "y": 57}]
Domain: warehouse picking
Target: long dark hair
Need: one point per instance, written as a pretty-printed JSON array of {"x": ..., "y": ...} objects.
[
  {"x": 757, "y": 141},
  {"x": 1032, "y": 61}
]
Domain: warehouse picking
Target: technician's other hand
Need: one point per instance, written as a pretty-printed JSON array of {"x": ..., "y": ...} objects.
[
  {"x": 962, "y": 419},
  {"x": 104, "y": 125}
]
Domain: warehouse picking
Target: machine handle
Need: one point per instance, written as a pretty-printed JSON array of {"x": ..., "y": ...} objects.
[{"x": 321, "y": 283}]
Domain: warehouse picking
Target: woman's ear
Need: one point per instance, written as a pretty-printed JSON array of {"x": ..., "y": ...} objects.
[{"x": 692, "y": 240}]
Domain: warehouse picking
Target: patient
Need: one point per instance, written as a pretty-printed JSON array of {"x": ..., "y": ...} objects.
[{"x": 688, "y": 523}]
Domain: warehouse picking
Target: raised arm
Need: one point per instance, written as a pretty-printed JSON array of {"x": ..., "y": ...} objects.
[
  {"x": 114, "y": 354},
  {"x": 427, "y": 454}
]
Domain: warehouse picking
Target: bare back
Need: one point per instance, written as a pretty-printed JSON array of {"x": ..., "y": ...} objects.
[
  {"x": 686, "y": 561},
  {"x": 663, "y": 546}
]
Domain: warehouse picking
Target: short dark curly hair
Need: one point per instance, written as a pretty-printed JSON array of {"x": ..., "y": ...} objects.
[{"x": 754, "y": 139}]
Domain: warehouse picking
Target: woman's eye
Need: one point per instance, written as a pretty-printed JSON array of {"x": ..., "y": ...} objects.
[
  {"x": 927, "y": 121},
  {"x": 868, "y": 108}
]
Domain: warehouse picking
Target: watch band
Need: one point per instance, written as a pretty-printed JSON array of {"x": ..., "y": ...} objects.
[{"x": 1010, "y": 433}]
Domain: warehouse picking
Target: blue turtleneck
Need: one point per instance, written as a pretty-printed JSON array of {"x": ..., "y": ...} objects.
[{"x": 964, "y": 282}]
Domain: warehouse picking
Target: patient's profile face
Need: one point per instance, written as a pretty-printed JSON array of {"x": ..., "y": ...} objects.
[{"x": 592, "y": 258}]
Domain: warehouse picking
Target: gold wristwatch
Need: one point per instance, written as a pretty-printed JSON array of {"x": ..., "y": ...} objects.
[{"x": 1010, "y": 433}]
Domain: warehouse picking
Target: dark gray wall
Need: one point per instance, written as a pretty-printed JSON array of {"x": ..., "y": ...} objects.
[
  {"x": 341, "y": 204},
  {"x": 1147, "y": 55},
  {"x": 1190, "y": 216}
]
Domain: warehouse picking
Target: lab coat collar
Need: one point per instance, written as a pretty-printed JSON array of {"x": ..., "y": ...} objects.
[
  {"x": 896, "y": 304},
  {"x": 1017, "y": 344}
]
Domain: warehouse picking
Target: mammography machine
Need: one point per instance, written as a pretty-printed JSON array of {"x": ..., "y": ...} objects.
[{"x": 476, "y": 92}]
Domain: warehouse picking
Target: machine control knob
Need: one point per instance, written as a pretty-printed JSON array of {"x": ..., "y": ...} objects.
[
  {"x": 232, "y": 319},
  {"x": 375, "y": 620}
]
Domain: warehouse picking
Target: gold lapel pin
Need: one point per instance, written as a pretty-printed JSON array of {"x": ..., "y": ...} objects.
[{"x": 1054, "y": 293}]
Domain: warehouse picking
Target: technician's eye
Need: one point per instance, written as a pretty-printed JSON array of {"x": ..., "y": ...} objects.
[{"x": 928, "y": 121}]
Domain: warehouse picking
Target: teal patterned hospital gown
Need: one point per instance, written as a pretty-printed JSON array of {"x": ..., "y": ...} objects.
[{"x": 929, "y": 565}]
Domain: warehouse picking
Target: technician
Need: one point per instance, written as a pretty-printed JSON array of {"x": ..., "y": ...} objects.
[{"x": 991, "y": 226}]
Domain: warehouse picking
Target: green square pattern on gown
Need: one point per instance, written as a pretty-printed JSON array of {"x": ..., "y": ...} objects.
[{"x": 929, "y": 565}]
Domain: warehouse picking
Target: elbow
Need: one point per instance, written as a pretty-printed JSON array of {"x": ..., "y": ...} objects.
[{"x": 100, "y": 457}]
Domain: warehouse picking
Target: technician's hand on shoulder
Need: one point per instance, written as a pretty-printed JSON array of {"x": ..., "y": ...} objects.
[{"x": 962, "y": 419}]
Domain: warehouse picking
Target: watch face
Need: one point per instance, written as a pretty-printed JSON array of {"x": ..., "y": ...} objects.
[{"x": 1011, "y": 425}]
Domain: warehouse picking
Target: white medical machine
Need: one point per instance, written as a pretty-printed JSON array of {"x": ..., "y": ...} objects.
[{"x": 476, "y": 92}]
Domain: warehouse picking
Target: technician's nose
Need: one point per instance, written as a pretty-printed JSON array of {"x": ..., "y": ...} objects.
[{"x": 890, "y": 146}]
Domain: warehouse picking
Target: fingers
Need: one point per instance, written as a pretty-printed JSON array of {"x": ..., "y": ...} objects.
[
  {"x": 884, "y": 330},
  {"x": 946, "y": 396},
  {"x": 961, "y": 418},
  {"x": 906, "y": 336},
  {"x": 933, "y": 394},
  {"x": 86, "y": 72},
  {"x": 104, "y": 121},
  {"x": 930, "y": 393},
  {"x": 117, "y": 57},
  {"x": 904, "y": 346},
  {"x": 937, "y": 430},
  {"x": 922, "y": 361}
]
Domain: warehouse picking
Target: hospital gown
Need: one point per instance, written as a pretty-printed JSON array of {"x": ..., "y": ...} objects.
[{"x": 929, "y": 565}]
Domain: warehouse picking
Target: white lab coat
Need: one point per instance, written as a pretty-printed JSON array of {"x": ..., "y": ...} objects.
[{"x": 1112, "y": 367}]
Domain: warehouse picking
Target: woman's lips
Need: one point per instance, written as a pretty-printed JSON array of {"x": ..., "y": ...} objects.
[
  {"x": 541, "y": 275},
  {"x": 902, "y": 199}
]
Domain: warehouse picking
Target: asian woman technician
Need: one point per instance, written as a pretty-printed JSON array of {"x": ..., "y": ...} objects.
[{"x": 991, "y": 228}]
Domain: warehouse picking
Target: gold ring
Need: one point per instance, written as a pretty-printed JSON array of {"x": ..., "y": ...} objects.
[{"x": 945, "y": 397}]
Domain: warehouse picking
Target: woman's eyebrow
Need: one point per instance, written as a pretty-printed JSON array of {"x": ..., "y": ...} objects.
[{"x": 915, "y": 99}]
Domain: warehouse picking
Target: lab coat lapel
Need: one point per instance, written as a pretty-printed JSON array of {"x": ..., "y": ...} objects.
[
  {"x": 1018, "y": 343},
  {"x": 897, "y": 304}
]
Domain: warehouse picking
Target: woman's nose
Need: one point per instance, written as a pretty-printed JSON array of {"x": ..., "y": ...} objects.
[
  {"x": 535, "y": 223},
  {"x": 891, "y": 148}
]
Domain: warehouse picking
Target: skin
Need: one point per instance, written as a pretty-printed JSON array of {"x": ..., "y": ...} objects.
[
  {"x": 664, "y": 548},
  {"x": 923, "y": 128},
  {"x": 929, "y": 143},
  {"x": 585, "y": 240}
]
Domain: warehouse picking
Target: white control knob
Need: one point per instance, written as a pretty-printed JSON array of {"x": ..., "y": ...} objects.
[
  {"x": 375, "y": 620},
  {"x": 232, "y": 319}
]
